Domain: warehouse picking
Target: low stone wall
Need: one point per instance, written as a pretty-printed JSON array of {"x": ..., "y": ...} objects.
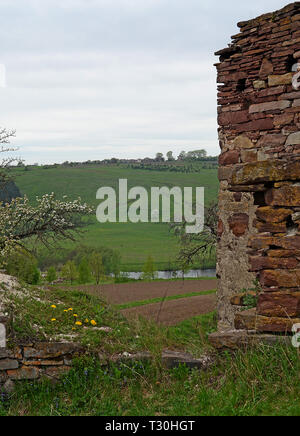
[{"x": 33, "y": 361}]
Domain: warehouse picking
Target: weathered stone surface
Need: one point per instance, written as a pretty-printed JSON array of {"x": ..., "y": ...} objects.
[
  {"x": 243, "y": 142},
  {"x": 229, "y": 157},
  {"x": 238, "y": 224},
  {"x": 273, "y": 215},
  {"x": 269, "y": 106},
  {"x": 271, "y": 227},
  {"x": 266, "y": 68},
  {"x": 250, "y": 320},
  {"x": 224, "y": 173},
  {"x": 259, "y": 263},
  {"x": 173, "y": 359},
  {"x": 285, "y": 196},
  {"x": 265, "y": 171},
  {"x": 284, "y": 79},
  {"x": 8, "y": 364},
  {"x": 227, "y": 118},
  {"x": 279, "y": 304},
  {"x": 24, "y": 373},
  {"x": 293, "y": 139},
  {"x": 286, "y": 242},
  {"x": 271, "y": 140},
  {"x": 249, "y": 155},
  {"x": 259, "y": 84},
  {"x": 50, "y": 350},
  {"x": 280, "y": 278},
  {"x": 284, "y": 253},
  {"x": 235, "y": 339}
]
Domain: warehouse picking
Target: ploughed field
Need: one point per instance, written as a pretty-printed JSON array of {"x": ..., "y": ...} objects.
[
  {"x": 173, "y": 312},
  {"x": 166, "y": 302}
]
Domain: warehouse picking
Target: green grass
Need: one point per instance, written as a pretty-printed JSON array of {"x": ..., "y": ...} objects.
[
  {"x": 159, "y": 300},
  {"x": 262, "y": 381},
  {"x": 251, "y": 382},
  {"x": 135, "y": 242}
]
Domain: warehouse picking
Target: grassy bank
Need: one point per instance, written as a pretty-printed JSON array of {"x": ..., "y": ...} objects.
[{"x": 258, "y": 381}]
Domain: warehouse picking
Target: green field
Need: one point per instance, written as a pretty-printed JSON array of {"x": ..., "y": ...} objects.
[{"x": 135, "y": 242}]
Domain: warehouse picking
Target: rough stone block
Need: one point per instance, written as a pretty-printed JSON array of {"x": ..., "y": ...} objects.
[
  {"x": 250, "y": 320},
  {"x": 266, "y": 171},
  {"x": 272, "y": 215},
  {"x": 284, "y": 79},
  {"x": 239, "y": 224},
  {"x": 280, "y": 278},
  {"x": 285, "y": 196},
  {"x": 281, "y": 304},
  {"x": 259, "y": 263},
  {"x": 269, "y": 106}
]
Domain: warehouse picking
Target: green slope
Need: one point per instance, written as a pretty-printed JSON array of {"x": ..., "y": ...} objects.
[{"x": 134, "y": 241}]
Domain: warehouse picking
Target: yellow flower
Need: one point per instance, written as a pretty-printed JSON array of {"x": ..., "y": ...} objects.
[
  {"x": 66, "y": 310},
  {"x": 53, "y": 319},
  {"x": 70, "y": 310},
  {"x": 75, "y": 315},
  {"x": 86, "y": 321},
  {"x": 53, "y": 306},
  {"x": 78, "y": 323},
  {"x": 93, "y": 322},
  {"x": 73, "y": 329}
]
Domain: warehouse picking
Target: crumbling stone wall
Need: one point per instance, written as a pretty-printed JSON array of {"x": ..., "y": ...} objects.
[{"x": 259, "y": 199}]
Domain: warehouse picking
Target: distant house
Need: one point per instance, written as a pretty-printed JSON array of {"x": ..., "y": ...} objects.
[{"x": 9, "y": 191}]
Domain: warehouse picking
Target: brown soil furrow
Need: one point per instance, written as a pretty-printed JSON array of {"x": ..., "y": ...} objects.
[{"x": 173, "y": 312}]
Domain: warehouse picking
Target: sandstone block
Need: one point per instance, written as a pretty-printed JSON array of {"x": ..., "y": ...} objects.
[
  {"x": 284, "y": 79},
  {"x": 279, "y": 304},
  {"x": 239, "y": 224},
  {"x": 285, "y": 196},
  {"x": 271, "y": 215}
]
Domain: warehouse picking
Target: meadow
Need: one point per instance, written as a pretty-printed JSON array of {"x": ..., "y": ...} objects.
[{"x": 135, "y": 242}]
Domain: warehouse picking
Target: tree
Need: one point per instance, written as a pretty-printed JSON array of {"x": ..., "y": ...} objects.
[
  {"x": 49, "y": 221},
  {"x": 159, "y": 157},
  {"x": 149, "y": 269},
  {"x": 170, "y": 156},
  {"x": 84, "y": 272},
  {"x": 182, "y": 155},
  {"x": 51, "y": 275},
  {"x": 194, "y": 247},
  {"x": 22, "y": 265},
  {"x": 69, "y": 272},
  {"x": 97, "y": 267}
]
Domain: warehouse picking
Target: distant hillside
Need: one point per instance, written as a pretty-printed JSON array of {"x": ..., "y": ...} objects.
[{"x": 135, "y": 242}]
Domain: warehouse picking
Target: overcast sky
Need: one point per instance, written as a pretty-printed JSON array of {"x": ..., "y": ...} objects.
[{"x": 91, "y": 79}]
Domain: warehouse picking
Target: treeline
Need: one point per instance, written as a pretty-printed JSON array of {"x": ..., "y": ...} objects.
[
  {"x": 83, "y": 265},
  {"x": 199, "y": 156},
  {"x": 176, "y": 168}
]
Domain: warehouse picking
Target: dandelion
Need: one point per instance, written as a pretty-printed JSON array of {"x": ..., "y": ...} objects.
[
  {"x": 93, "y": 322},
  {"x": 53, "y": 319},
  {"x": 86, "y": 321},
  {"x": 75, "y": 315},
  {"x": 78, "y": 323},
  {"x": 66, "y": 310},
  {"x": 53, "y": 306},
  {"x": 70, "y": 309}
]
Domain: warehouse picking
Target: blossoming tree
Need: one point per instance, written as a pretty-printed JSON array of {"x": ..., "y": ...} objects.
[{"x": 50, "y": 220}]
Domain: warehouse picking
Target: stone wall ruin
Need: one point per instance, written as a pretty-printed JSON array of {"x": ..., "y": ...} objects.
[{"x": 259, "y": 199}]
